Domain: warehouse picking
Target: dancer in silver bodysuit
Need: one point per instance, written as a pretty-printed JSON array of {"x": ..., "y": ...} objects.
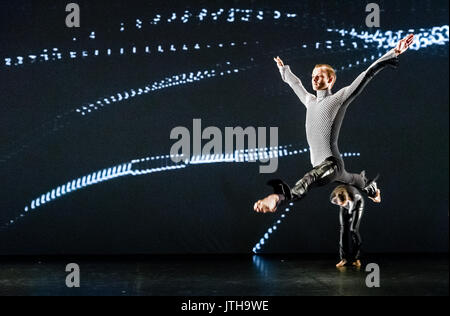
[{"x": 324, "y": 114}]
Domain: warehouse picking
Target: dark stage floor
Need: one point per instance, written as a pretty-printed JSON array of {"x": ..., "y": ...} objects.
[{"x": 281, "y": 275}]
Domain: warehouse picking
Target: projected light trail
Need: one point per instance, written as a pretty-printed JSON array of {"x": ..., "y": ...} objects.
[
  {"x": 152, "y": 164},
  {"x": 425, "y": 37},
  {"x": 437, "y": 35},
  {"x": 272, "y": 229}
]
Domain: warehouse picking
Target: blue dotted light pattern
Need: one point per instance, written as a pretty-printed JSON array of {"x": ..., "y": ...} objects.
[
  {"x": 437, "y": 35},
  {"x": 230, "y": 15},
  {"x": 152, "y": 164},
  {"x": 54, "y": 54},
  {"x": 175, "y": 80},
  {"x": 272, "y": 229},
  {"x": 424, "y": 37}
]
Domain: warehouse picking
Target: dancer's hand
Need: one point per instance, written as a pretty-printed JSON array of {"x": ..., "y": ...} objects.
[
  {"x": 279, "y": 61},
  {"x": 268, "y": 204},
  {"x": 404, "y": 44}
]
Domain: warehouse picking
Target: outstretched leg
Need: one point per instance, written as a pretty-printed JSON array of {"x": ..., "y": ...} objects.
[{"x": 320, "y": 175}]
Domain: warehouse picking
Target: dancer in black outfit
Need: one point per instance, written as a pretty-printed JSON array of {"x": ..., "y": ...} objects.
[{"x": 351, "y": 209}]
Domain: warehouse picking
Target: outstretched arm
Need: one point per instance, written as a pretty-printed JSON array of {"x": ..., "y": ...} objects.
[
  {"x": 293, "y": 81},
  {"x": 350, "y": 92}
]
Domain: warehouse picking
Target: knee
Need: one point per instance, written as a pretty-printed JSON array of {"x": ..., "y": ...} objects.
[
  {"x": 307, "y": 178},
  {"x": 302, "y": 185}
]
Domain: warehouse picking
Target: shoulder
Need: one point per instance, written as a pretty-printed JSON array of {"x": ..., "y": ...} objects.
[
  {"x": 310, "y": 98},
  {"x": 340, "y": 92},
  {"x": 340, "y": 96}
]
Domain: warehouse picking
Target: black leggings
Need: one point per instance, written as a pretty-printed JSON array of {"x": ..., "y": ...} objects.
[
  {"x": 349, "y": 223},
  {"x": 331, "y": 170}
]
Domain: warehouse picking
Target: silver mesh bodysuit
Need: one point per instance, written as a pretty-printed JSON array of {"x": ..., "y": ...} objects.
[
  {"x": 324, "y": 115},
  {"x": 325, "y": 111}
]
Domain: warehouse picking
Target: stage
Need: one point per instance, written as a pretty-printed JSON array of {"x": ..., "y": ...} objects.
[{"x": 224, "y": 275}]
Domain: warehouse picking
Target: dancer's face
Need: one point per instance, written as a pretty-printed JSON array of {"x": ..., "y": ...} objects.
[{"x": 320, "y": 79}]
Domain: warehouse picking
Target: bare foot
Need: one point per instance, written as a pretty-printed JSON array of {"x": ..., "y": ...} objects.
[
  {"x": 377, "y": 198},
  {"x": 357, "y": 263},
  {"x": 342, "y": 263},
  {"x": 268, "y": 204}
]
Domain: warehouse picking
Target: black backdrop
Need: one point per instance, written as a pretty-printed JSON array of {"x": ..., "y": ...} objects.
[{"x": 399, "y": 125}]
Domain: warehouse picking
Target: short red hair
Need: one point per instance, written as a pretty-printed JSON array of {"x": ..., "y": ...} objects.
[{"x": 330, "y": 71}]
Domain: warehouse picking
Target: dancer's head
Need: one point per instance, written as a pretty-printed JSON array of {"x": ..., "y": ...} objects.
[
  {"x": 323, "y": 77},
  {"x": 340, "y": 196}
]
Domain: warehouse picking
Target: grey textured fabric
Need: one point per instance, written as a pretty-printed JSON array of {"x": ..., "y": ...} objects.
[{"x": 325, "y": 111}]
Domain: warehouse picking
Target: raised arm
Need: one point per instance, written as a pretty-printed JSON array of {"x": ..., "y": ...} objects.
[
  {"x": 293, "y": 81},
  {"x": 350, "y": 92}
]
